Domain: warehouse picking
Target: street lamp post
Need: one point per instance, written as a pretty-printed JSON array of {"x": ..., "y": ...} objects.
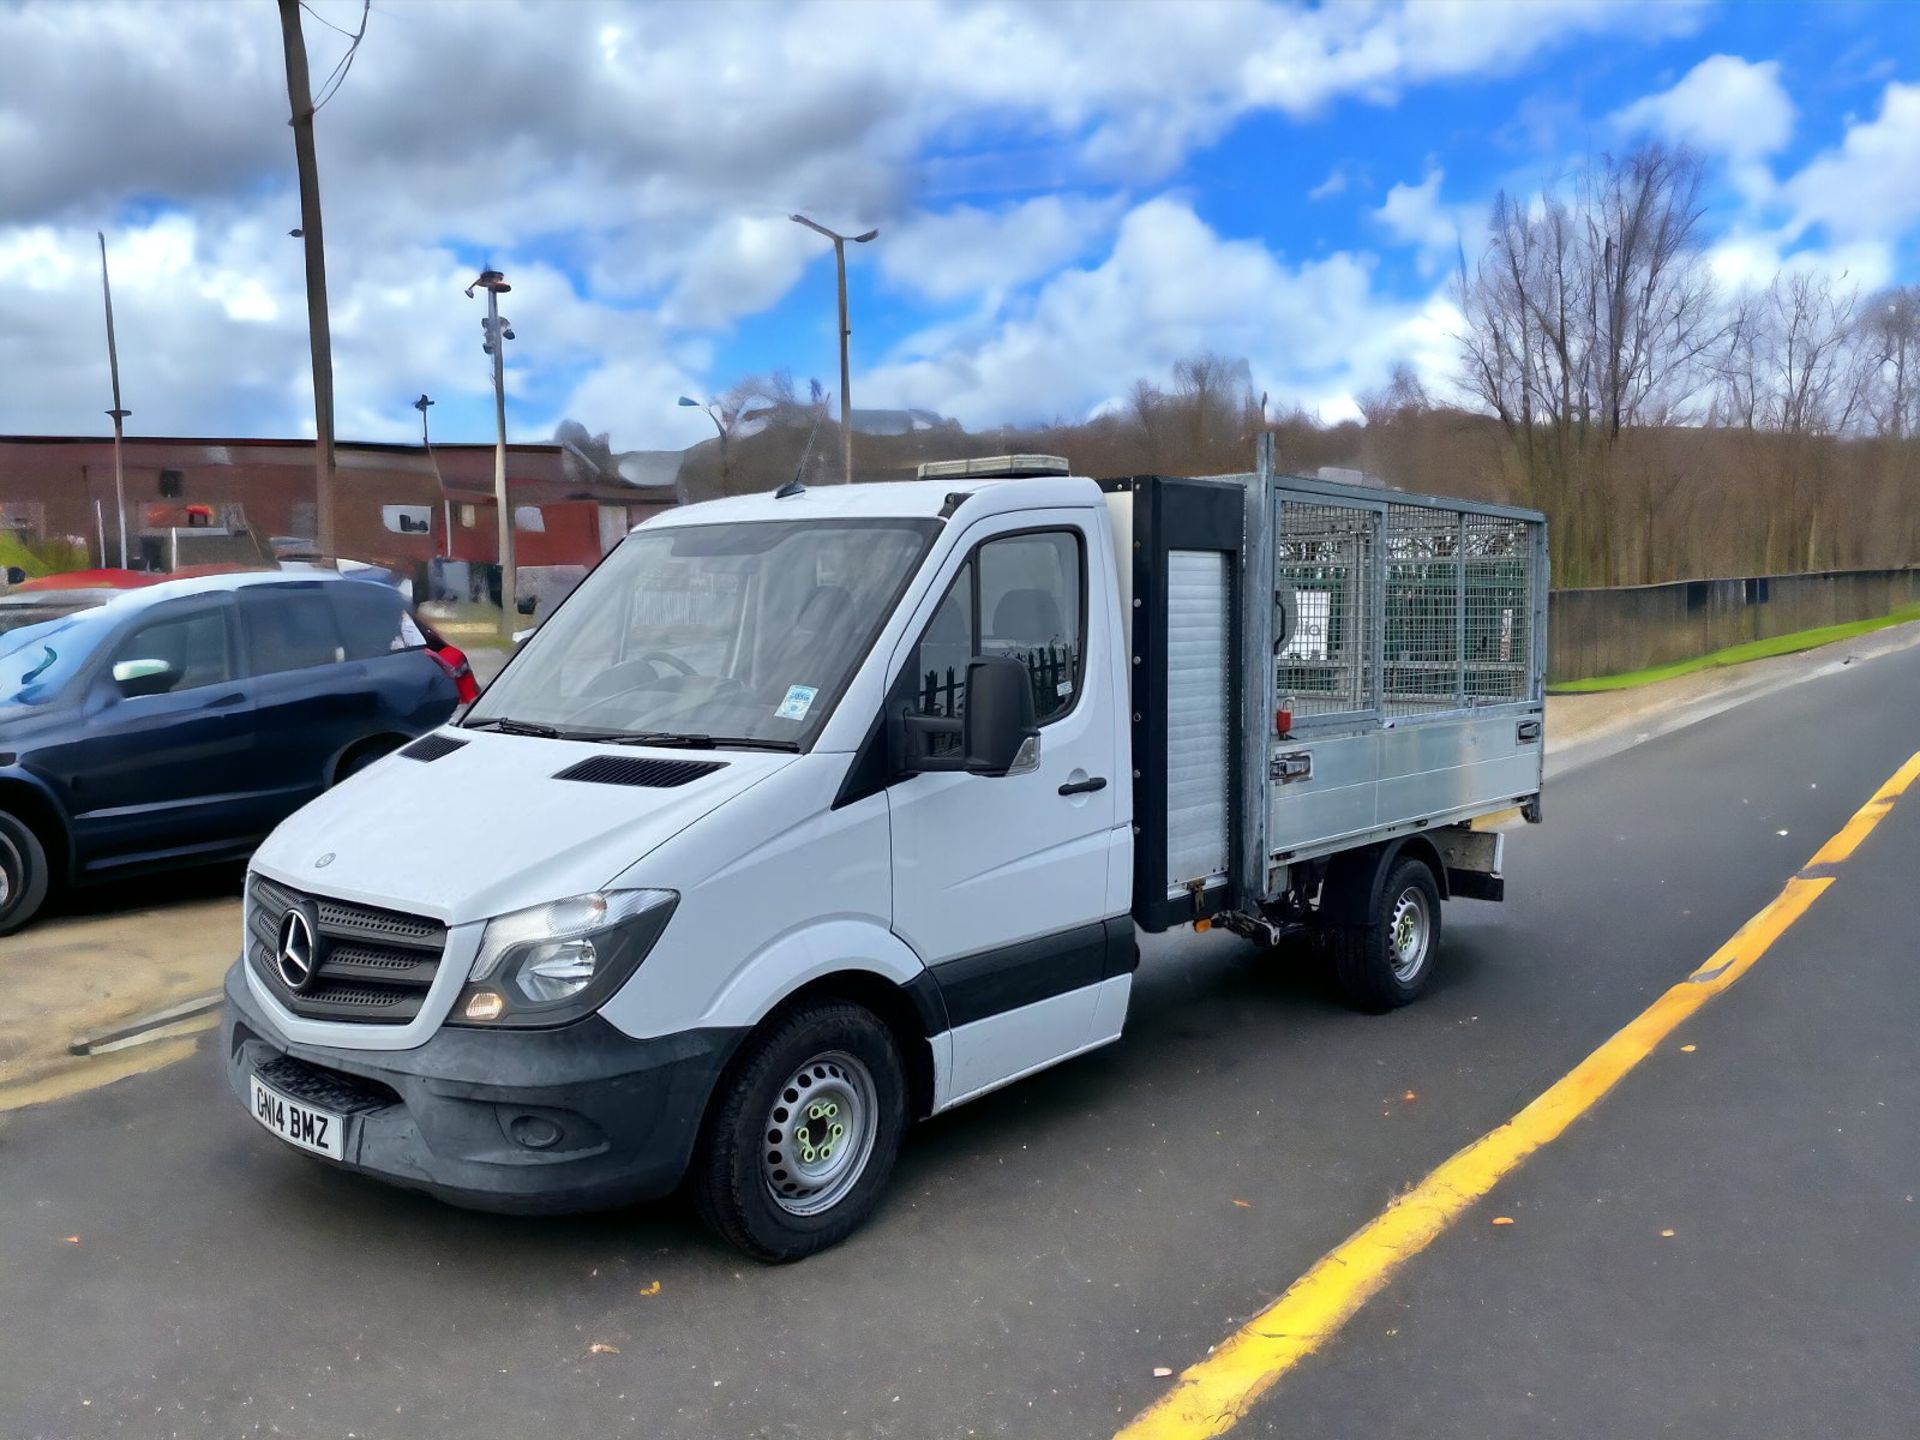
[
  {"x": 726, "y": 466},
  {"x": 846, "y": 384},
  {"x": 497, "y": 332}
]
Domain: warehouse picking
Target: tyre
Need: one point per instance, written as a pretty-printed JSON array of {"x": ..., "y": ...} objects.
[
  {"x": 801, "y": 1141},
  {"x": 1386, "y": 962},
  {"x": 357, "y": 760},
  {"x": 23, "y": 873}
]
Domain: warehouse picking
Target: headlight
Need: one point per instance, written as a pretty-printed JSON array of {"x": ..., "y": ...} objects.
[{"x": 556, "y": 962}]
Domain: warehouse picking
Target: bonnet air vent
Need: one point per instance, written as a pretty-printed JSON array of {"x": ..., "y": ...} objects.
[
  {"x": 432, "y": 747},
  {"x": 633, "y": 770}
]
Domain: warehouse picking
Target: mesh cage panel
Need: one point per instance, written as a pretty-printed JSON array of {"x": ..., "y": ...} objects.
[
  {"x": 1497, "y": 639},
  {"x": 1421, "y": 670},
  {"x": 1323, "y": 573}
]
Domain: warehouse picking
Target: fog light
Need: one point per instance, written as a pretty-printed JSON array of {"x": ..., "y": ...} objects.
[
  {"x": 536, "y": 1132},
  {"x": 485, "y": 1005}
]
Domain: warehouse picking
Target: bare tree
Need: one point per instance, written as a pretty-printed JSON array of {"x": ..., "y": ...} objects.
[
  {"x": 1590, "y": 310},
  {"x": 1890, "y": 331}
]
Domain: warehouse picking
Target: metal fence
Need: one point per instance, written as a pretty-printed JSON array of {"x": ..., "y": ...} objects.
[{"x": 1616, "y": 630}]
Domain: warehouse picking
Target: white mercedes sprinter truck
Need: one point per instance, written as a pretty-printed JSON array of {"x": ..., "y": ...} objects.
[{"x": 810, "y": 814}]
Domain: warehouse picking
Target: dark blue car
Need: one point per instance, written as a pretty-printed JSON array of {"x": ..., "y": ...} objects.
[{"x": 179, "y": 723}]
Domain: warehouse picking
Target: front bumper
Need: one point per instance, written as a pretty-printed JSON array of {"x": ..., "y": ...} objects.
[{"x": 580, "y": 1117}]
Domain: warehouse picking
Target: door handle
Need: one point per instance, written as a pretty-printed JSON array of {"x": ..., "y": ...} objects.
[
  {"x": 222, "y": 701},
  {"x": 1084, "y": 787}
]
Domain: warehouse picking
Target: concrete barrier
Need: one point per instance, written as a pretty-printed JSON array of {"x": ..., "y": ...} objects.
[{"x": 1629, "y": 627}]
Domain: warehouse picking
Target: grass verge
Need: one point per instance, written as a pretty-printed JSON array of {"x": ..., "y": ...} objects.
[{"x": 1735, "y": 654}]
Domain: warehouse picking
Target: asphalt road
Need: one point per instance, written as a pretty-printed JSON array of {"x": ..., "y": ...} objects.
[{"x": 1046, "y": 1248}]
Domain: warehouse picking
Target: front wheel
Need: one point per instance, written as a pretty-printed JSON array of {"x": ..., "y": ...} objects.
[
  {"x": 797, "y": 1150},
  {"x": 23, "y": 873},
  {"x": 1386, "y": 962}
]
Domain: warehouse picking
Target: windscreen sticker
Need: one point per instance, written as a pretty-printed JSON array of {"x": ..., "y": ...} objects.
[{"x": 799, "y": 700}]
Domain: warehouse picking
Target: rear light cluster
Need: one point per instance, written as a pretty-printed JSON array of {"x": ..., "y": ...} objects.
[{"x": 455, "y": 661}]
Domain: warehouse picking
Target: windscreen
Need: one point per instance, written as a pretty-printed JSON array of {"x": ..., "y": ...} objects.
[
  {"x": 748, "y": 630},
  {"x": 36, "y": 661}
]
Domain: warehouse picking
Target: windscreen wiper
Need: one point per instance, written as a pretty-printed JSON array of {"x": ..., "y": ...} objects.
[
  {"x": 506, "y": 725},
  {"x": 671, "y": 739}
]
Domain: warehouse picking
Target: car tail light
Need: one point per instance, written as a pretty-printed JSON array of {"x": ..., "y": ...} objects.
[{"x": 462, "y": 673}]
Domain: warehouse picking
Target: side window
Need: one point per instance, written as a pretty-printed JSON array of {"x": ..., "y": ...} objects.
[
  {"x": 938, "y": 669},
  {"x": 1029, "y": 609},
  {"x": 373, "y": 620},
  {"x": 195, "y": 645},
  {"x": 1018, "y": 596},
  {"x": 289, "y": 628}
]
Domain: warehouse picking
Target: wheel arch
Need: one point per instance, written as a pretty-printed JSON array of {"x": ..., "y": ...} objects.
[
  {"x": 1351, "y": 891},
  {"x": 41, "y": 813},
  {"x": 383, "y": 743}
]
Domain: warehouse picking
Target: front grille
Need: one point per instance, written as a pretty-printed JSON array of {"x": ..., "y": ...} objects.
[
  {"x": 370, "y": 966},
  {"x": 328, "y": 1089}
]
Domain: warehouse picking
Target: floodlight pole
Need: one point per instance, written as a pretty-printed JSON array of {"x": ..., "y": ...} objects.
[{"x": 493, "y": 282}]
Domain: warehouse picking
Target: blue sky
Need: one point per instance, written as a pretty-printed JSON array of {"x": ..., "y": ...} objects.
[{"x": 1070, "y": 196}]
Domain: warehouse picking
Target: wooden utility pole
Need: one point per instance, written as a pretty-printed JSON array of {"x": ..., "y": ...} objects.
[
  {"x": 300, "y": 99},
  {"x": 119, "y": 416}
]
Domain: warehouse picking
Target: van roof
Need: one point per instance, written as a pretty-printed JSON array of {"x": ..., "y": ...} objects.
[{"x": 886, "y": 500}]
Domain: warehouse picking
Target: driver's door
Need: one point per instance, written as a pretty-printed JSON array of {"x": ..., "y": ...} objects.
[
  {"x": 1001, "y": 884},
  {"x": 162, "y": 775}
]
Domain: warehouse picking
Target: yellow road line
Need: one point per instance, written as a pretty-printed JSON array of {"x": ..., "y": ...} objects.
[
  {"x": 1212, "y": 1395},
  {"x": 1868, "y": 815}
]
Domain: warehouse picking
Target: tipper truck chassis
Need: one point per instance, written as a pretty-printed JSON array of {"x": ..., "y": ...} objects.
[{"x": 813, "y": 813}]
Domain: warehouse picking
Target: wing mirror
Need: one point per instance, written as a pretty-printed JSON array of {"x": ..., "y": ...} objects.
[
  {"x": 996, "y": 733},
  {"x": 145, "y": 677}
]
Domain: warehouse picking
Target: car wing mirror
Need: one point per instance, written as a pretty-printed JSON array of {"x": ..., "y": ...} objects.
[{"x": 145, "y": 677}]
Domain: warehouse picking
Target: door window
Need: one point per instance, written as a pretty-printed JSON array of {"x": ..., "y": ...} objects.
[
  {"x": 373, "y": 620},
  {"x": 1018, "y": 596},
  {"x": 195, "y": 645},
  {"x": 1029, "y": 609},
  {"x": 289, "y": 628}
]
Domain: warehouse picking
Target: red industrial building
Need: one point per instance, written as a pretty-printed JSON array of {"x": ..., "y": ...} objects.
[{"x": 398, "y": 505}]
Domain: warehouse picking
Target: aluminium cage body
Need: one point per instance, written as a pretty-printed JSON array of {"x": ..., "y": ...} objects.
[{"x": 1392, "y": 607}]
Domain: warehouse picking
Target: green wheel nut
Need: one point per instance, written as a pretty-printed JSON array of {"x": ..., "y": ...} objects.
[{"x": 838, "y": 1131}]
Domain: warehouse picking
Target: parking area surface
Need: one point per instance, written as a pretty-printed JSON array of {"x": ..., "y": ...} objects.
[{"x": 1047, "y": 1248}]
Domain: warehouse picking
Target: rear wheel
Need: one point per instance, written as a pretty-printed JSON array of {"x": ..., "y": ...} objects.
[
  {"x": 23, "y": 873},
  {"x": 797, "y": 1150},
  {"x": 1386, "y": 962}
]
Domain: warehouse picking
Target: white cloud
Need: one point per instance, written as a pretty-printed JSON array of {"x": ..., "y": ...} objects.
[
  {"x": 1335, "y": 182},
  {"x": 967, "y": 251},
  {"x": 629, "y": 166},
  {"x": 1724, "y": 105},
  {"x": 1415, "y": 215},
  {"x": 1868, "y": 187},
  {"x": 1316, "y": 332}
]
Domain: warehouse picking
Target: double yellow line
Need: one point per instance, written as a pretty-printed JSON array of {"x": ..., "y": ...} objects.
[{"x": 1211, "y": 1396}]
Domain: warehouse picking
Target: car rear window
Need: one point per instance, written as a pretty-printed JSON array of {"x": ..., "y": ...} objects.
[
  {"x": 374, "y": 620},
  {"x": 289, "y": 627}
]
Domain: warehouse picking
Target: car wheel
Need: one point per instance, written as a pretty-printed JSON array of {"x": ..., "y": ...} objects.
[
  {"x": 23, "y": 873},
  {"x": 357, "y": 760},
  {"x": 796, "y": 1151},
  {"x": 1387, "y": 962}
]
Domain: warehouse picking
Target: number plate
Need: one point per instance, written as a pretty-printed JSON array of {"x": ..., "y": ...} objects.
[{"x": 299, "y": 1124}]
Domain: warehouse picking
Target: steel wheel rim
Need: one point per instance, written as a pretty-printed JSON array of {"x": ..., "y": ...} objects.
[
  {"x": 819, "y": 1133},
  {"x": 11, "y": 860},
  {"x": 1409, "y": 932}
]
